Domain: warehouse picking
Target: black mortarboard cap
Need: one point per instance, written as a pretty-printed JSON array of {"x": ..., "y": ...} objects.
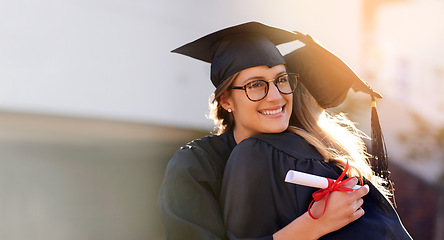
[{"x": 236, "y": 48}]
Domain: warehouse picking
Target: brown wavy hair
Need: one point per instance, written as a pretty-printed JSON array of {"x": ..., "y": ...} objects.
[{"x": 223, "y": 120}]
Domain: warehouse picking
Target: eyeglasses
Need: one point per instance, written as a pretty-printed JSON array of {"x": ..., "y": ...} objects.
[{"x": 258, "y": 90}]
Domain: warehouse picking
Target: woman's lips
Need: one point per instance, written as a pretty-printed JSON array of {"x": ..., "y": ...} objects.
[{"x": 272, "y": 111}]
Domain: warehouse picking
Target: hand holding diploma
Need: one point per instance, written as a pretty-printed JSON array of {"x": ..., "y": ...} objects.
[{"x": 326, "y": 185}]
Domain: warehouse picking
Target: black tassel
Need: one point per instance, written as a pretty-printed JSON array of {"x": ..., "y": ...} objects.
[{"x": 379, "y": 160}]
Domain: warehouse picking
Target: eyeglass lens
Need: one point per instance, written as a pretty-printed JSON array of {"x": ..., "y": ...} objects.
[{"x": 257, "y": 90}]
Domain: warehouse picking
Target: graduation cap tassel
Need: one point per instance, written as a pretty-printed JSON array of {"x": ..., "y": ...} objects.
[{"x": 379, "y": 160}]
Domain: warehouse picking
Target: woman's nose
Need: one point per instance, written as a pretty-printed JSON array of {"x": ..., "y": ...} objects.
[{"x": 273, "y": 92}]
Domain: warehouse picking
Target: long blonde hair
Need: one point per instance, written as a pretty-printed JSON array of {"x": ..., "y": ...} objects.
[{"x": 334, "y": 136}]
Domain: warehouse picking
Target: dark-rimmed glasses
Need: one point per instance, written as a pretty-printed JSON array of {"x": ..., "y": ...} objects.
[{"x": 258, "y": 89}]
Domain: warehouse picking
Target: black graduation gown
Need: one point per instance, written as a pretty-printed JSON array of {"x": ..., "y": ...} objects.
[
  {"x": 188, "y": 198},
  {"x": 257, "y": 202}
]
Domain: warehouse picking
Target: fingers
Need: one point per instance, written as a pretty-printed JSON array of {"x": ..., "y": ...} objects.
[
  {"x": 351, "y": 183},
  {"x": 362, "y": 191},
  {"x": 357, "y": 214},
  {"x": 357, "y": 204}
]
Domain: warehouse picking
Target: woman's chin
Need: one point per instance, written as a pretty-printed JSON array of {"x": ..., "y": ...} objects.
[{"x": 278, "y": 129}]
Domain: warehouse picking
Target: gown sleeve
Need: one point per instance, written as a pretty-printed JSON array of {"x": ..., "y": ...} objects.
[
  {"x": 257, "y": 202},
  {"x": 188, "y": 197}
]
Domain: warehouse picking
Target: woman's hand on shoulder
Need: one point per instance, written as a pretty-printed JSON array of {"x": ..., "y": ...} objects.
[{"x": 342, "y": 208}]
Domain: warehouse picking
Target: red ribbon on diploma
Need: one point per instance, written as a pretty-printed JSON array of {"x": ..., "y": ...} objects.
[{"x": 333, "y": 185}]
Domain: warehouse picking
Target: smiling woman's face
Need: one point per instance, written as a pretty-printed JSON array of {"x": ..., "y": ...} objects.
[{"x": 269, "y": 115}]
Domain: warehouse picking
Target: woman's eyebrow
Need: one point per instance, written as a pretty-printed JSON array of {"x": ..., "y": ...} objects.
[
  {"x": 261, "y": 77},
  {"x": 253, "y": 78},
  {"x": 283, "y": 72}
]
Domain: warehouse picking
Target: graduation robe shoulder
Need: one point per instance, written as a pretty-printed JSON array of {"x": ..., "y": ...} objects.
[
  {"x": 257, "y": 202},
  {"x": 188, "y": 197}
]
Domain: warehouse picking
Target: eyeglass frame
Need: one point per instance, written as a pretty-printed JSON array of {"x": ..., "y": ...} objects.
[{"x": 268, "y": 86}]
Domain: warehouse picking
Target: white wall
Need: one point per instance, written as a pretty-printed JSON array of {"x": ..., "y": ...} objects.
[
  {"x": 110, "y": 59},
  {"x": 411, "y": 68}
]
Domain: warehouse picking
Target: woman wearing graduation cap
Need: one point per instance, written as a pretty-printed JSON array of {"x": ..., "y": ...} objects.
[{"x": 204, "y": 197}]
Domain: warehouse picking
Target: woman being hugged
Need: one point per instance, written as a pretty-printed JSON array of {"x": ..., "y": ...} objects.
[
  {"x": 258, "y": 204},
  {"x": 254, "y": 105}
]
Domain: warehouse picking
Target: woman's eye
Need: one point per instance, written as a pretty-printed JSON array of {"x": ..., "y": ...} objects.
[
  {"x": 282, "y": 79},
  {"x": 256, "y": 85}
]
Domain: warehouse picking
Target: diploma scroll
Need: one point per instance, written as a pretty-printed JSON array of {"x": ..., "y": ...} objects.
[{"x": 309, "y": 180}]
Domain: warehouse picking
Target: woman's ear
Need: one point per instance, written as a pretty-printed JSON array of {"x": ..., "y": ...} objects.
[{"x": 226, "y": 103}]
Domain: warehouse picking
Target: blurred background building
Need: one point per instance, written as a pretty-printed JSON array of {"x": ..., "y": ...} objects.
[{"x": 93, "y": 104}]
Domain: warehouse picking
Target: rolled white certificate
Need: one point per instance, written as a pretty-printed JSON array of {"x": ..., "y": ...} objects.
[{"x": 309, "y": 180}]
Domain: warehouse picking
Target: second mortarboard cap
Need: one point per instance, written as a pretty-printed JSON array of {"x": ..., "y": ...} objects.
[
  {"x": 236, "y": 48},
  {"x": 325, "y": 75}
]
